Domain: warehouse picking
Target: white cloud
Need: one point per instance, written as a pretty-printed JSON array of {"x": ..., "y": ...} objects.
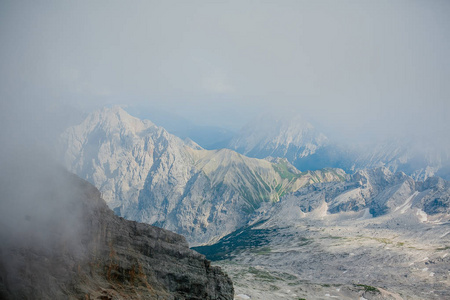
[{"x": 356, "y": 65}]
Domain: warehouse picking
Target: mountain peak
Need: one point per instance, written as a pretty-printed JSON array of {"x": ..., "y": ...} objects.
[
  {"x": 116, "y": 116},
  {"x": 289, "y": 136},
  {"x": 147, "y": 174}
]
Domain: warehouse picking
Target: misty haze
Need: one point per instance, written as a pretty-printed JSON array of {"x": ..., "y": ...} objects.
[{"x": 225, "y": 150}]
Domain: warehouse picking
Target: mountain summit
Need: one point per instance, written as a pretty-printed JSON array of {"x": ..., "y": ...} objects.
[
  {"x": 288, "y": 136},
  {"x": 148, "y": 175}
]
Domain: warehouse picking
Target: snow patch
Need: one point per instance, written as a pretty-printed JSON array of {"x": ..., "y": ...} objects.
[
  {"x": 445, "y": 234},
  {"x": 423, "y": 217},
  {"x": 321, "y": 211},
  {"x": 405, "y": 206}
]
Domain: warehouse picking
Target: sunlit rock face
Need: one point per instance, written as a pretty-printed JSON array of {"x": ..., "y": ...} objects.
[
  {"x": 377, "y": 192},
  {"x": 101, "y": 255},
  {"x": 148, "y": 175}
]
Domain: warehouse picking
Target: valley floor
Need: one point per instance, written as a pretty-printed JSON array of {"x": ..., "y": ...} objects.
[{"x": 345, "y": 257}]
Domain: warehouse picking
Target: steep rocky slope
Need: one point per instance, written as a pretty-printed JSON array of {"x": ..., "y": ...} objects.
[
  {"x": 70, "y": 245},
  {"x": 379, "y": 235},
  {"x": 148, "y": 175},
  {"x": 376, "y": 192}
]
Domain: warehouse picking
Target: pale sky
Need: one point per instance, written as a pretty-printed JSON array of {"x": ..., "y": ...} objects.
[{"x": 356, "y": 67}]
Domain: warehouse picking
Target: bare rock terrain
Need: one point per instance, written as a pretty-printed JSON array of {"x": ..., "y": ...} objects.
[
  {"x": 148, "y": 175},
  {"x": 388, "y": 239},
  {"x": 100, "y": 255}
]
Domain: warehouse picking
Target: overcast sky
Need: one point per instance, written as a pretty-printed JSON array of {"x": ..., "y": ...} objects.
[{"x": 356, "y": 67}]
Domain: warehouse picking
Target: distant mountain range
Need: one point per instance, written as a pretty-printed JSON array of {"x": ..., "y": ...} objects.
[
  {"x": 291, "y": 137},
  {"x": 376, "y": 192},
  {"x": 148, "y": 175}
]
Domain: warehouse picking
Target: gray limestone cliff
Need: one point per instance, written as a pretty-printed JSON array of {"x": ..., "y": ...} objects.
[
  {"x": 374, "y": 192},
  {"x": 148, "y": 175},
  {"x": 100, "y": 255}
]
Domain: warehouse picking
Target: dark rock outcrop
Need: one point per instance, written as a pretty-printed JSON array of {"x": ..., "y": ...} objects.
[{"x": 107, "y": 257}]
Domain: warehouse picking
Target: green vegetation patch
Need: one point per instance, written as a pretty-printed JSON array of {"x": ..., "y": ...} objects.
[
  {"x": 282, "y": 169},
  {"x": 254, "y": 190},
  {"x": 245, "y": 238},
  {"x": 332, "y": 237},
  {"x": 263, "y": 275},
  {"x": 304, "y": 241},
  {"x": 262, "y": 251},
  {"x": 369, "y": 288},
  {"x": 383, "y": 240},
  {"x": 443, "y": 248}
]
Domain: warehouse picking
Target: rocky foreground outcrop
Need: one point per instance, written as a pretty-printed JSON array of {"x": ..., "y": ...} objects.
[{"x": 99, "y": 255}]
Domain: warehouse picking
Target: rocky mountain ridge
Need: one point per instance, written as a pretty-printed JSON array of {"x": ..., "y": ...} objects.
[
  {"x": 149, "y": 175},
  {"x": 291, "y": 136},
  {"x": 378, "y": 235},
  {"x": 100, "y": 256},
  {"x": 374, "y": 193}
]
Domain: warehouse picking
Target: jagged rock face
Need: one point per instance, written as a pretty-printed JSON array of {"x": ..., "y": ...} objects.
[
  {"x": 105, "y": 257},
  {"x": 379, "y": 230},
  {"x": 148, "y": 175},
  {"x": 378, "y": 191},
  {"x": 436, "y": 196},
  {"x": 116, "y": 152}
]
